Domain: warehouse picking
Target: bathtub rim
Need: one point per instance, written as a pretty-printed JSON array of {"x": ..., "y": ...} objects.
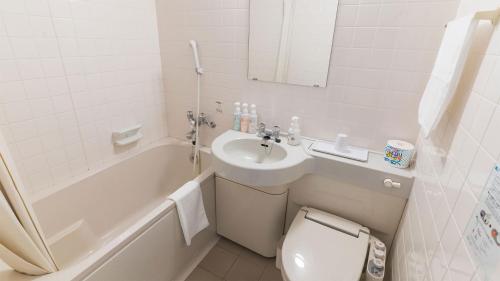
[{"x": 37, "y": 196}]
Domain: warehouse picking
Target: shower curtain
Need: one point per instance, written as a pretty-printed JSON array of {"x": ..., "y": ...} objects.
[{"x": 22, "y": 245}]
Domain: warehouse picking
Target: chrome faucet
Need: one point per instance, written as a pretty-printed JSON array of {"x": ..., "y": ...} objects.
[
  {"x": 267, "y": 134},
  {"x": 202, "y": 120}
]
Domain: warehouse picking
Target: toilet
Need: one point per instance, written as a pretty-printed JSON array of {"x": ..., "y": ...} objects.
[{"x": 320, "y": 246}]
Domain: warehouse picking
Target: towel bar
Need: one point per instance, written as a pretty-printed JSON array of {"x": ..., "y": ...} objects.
[{"x": 491, "y": 15}]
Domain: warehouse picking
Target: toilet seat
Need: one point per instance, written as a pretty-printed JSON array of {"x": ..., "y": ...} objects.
[{"x": 322, "y": 247}]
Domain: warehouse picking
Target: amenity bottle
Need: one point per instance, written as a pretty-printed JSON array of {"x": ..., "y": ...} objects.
[
  {"x": 252, "y": 128},
  {"x": 245, "y": 119},
  {"x": 294, "y": 137},
  {"x": 236, "y": 116}
]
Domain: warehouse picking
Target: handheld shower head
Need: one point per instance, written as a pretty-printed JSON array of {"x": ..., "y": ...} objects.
[{"x": 194, "y": 46}]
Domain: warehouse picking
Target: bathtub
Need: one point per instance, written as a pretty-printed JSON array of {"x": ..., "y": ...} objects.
[{"x": 117, "y": 223}]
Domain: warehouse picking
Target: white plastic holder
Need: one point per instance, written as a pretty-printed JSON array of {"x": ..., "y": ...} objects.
[
  {"x": 127, "y": 136},
  {"x": 376, "y": 247}
]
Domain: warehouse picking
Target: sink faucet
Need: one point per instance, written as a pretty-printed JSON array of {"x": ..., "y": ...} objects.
[{"x": 267, "y": 134}]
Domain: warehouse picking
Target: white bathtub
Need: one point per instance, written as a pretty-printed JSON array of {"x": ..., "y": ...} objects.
[{"x": 117, "y": 223}]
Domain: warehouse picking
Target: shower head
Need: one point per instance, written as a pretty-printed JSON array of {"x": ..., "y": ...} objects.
[{"x": 194, "y": 46}]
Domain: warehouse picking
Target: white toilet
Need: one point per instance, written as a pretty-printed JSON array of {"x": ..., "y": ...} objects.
[{"x": 320, "y": 247}]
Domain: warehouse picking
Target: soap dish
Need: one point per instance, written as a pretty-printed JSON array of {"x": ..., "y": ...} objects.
[{"x": 350, "y": 152}]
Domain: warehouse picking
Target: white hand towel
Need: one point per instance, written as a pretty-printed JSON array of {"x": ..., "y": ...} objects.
[
  {"x": 191, "y": 210},
  {"x": 446, "y": 73}
]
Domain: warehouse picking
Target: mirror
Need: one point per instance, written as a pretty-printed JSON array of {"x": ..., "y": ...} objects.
[{"x": 291, "y": 40}]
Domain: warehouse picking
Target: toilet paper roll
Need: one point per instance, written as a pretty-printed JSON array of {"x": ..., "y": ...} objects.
[{"x": 399, "y": 153}]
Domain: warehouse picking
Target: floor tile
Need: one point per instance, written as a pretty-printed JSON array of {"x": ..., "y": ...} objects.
[
  {"x": 200, "y": 274},
  {"x": 244, "y": 270},
  {"x": 230, "y": 246},
  {"x": 260, "y": 261},
  {"x": 271, "y": 273},
  {"x": 218, "y": 261}
]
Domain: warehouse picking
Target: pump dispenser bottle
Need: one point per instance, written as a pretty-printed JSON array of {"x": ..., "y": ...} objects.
[
  {"x": 294, "y": 137},
  {"x": 236, "y": 116},
  {"x": 252, "y": 128},
  {"x": 245, "y": 119}
]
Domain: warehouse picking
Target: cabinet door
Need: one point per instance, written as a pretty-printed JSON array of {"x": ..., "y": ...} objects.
[{"x": 250, "y": 217}]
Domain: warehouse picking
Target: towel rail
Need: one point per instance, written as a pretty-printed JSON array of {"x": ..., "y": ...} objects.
[{"x": 491, "y": 15}]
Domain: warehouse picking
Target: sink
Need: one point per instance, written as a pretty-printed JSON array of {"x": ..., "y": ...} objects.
[
  {"x": 240, "y": 157},
  {"x": 251, "y": 150}
]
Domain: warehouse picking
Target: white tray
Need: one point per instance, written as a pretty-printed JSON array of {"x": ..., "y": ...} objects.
[{"x": 351, "y": 152}]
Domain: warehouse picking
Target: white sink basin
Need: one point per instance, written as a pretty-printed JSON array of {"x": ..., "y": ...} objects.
[
  {"x": 240, "y": 157},
  {"x": 251, "y": 150}
]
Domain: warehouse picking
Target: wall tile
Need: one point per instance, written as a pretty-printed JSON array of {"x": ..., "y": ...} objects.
[
  {"x": 468, "y": 151},
  {"x": 5, "y": 49},
  {"x": 492, "y": 136},
  {"x": 493, "y": 83},
  {"x": 438, "y": 266},
  {"x": 450, "y": 239},
  {"x": 37, "y": 7},
  {"x": 17, "y": 25},
  {"x": 42, "y": 27},
  {"x": 60, "y": 8},
  {"x": 454, "y": 186},
  {"x": 480, "y": 170},
  {"x": 461, "y": 261},
  {"x": 365, "y": 69},
  {"x": 60, "y": 57},
  {"x": 24, "y": 47}
]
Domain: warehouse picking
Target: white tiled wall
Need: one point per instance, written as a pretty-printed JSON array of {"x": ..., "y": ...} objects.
[
  {"x": 71, "y": 72},
  {"x": 382, "y": 53},
  {"x": 452, "y": 168}
]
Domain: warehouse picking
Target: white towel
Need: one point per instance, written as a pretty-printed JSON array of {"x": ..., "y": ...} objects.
[
  {"x": 191, "y": 210},
  {"x": 446, "y": 73}
]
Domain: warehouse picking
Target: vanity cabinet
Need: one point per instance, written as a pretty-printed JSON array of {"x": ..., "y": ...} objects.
[{"x": 250, "y": 216}]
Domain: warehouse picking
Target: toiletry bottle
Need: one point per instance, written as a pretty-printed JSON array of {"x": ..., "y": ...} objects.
[
  {"x": 294, "y": 137},
  {"x": 291, "y": 135},
  {"x": 252, "y": 128},
  {"x": 236, "y": 116},
  {"x": 245, "y": 119}
]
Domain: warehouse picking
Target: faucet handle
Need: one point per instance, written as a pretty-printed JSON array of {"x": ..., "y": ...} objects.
[
  {"x": 202, "y": 116},
  {"x": 261, "y": 129},
  {"x": 276, "y": 134}
]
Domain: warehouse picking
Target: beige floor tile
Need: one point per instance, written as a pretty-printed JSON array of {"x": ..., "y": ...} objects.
[
  {"x": 200, "y": 274},
  {"x": 257, "y": 259},
  {"x": 244, "y": 270},
  {"x": 218, "y": 261},
  {"x": 271, "y": 273},
  {"x": 230, "y": 246}
]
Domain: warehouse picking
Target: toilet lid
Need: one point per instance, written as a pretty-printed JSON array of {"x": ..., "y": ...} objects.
[{"x": 313, "y": 251}]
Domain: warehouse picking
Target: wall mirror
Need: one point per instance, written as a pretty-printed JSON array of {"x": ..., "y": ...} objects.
[{"x": 290, "y": 41}]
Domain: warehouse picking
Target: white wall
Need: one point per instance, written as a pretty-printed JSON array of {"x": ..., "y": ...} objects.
[
  {"x": 383, "y": 51},
  {"x": 70, "y": 73},
  {"x": 453, "y": 166}
]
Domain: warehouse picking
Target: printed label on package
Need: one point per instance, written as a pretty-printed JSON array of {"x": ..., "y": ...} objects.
[{"x": 481, "y": 234}]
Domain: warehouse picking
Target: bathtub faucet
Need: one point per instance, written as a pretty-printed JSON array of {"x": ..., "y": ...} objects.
[{"x": 203, "y": 119}]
